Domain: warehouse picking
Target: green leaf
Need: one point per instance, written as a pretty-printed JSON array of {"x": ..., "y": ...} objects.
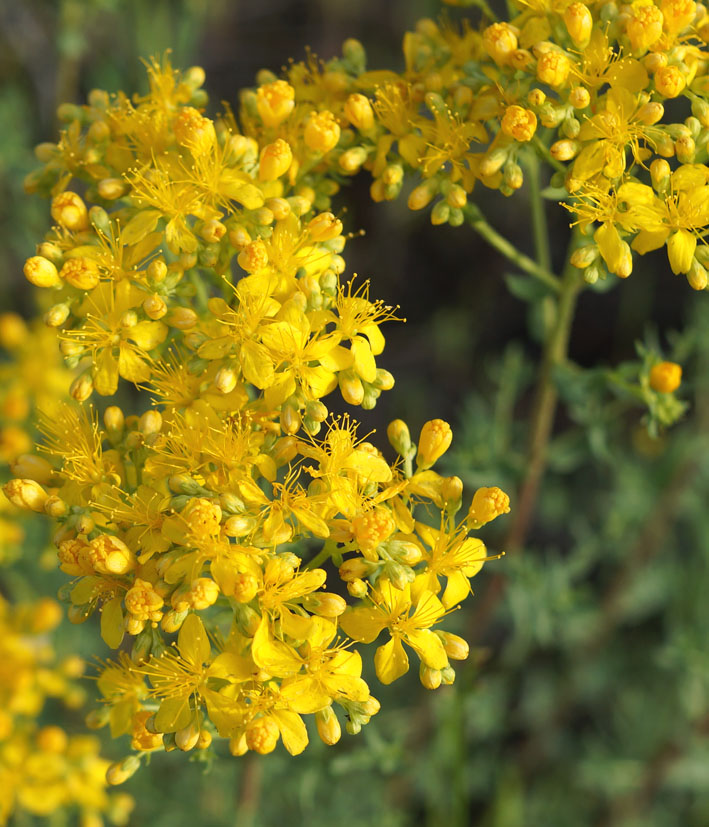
[{"x": 526, "y": 288}]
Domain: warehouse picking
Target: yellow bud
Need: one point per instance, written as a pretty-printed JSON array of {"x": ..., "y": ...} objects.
[
  {"x": 553, "y": 68},
  {"x": 121, "y": 771},
  {"x": 430, "y": 678},
  {"x": 328, "y": 726},
  {"x": 253, "y": 257},
  {"x": 275, "y": 102},
  {"x": 579, "y": 23},
  {"x": 111, "y": 188},
  {"x": 13, "y": 330},
  {"x": 354, "y": 569},
  {"x": 55, "y": 507},
  {"x": 26, "y": 494},
  {"x": 30, "y": 466},
  {"x": 456, "y": 647},
  {"x": 81, "y": 273},
  {"x": 351, "y": 388},
  {"x": 203, "y": 593},
  {"x": 358, "y": 111},
  {"x": 187, "y": 738},
  {"x": 225, "y": 380},
  {"x": 357, "y": 588},
  {"x": 275, "y": 160},
  {"x": 157, "y": 270},
  {"x": 239, "y": 525},
  {"x": 322, "y": 132},
  {"x": 154, "y": 307},
  {"x": 212, "y": 231},
  {"x": 70, "y": 211},
  {"x": 665, "y": 377},
  {"x": 52, "y": 739},
  {"x": 82, "y": 387},
  {"x": 451, "y": 490},
  {"x": 500, "y": 42},
  {"x": 246, "y": 586},
  {"x": 113, "y": 419},
  {"x": 644, "y": 26},
  {"x": 183, "y": 318},
  {"x": 488, "y": 503},
  {"x": 434, "y": 440},
  {"x": 204, "y": 740},
  {"x": 579, "y": 97},
  {"x": 238, "y": 745},
  {"x": 150, "y": 422},
  {"x": 57, "y": 315},
  {"x": 46, "y": 615},
  {"x": 324, "y": 604},
  {"x": 536, "y": 97},
  {"x": 110, "y": 555},
  {"x": 422, "y": 195},
  {"x": 279, "y": 207},
  {"x": 41, "y": 272},
  {"x": 194, "y": 131},
  {"x": 262, "y": 735},
  {"x": 324, "y": 227},
  {"x": 399, "y": 436},
  {"x": 519, "y": 123},
  {"x": 669, "y": 81},
  {"x": 564, "y": 150}
]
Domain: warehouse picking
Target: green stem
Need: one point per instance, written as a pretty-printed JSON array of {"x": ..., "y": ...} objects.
[
  {"x": 555, "y": 354},
  {"x": 502, "y": 245},
  {"x": 543, "y": 151},
  {"x": 322, "y": 556},
  {"x": 539, "y": 219}
]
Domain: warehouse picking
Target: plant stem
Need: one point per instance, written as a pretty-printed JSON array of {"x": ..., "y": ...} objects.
[
  {"x": 502, "y": 245},
  {"x": 555, "y": 353},
  {"x": 539, "y": 219},
  {"x": 324, "y": 554}
]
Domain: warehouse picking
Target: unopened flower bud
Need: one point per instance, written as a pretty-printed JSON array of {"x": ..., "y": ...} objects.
[
  {"x": 665, "y": 377},
  {"x": 434, "y": 440},
  {"x": 41, "y": 272},
  {"x": 26, "y": 493},
  {"x": 328, "y": 726}
]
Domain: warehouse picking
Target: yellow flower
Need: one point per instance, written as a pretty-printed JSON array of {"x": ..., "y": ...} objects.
[{"x": 391, "y": 610}]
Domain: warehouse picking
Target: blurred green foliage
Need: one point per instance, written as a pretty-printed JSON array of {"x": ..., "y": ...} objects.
[{"x": 586, "y": 697}]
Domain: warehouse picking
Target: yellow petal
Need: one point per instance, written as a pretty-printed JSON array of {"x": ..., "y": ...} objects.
[
  {"x": 680, "y": 250},
  {"x": 193, "y": 642},
  {"x": 391, "y": 661}
]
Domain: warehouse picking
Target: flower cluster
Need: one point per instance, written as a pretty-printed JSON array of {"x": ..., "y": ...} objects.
[
  {"x": 32, "y": 377},
  {"x": 207, "y": 272},
  {"x": 591, "y": 90},
  {"x": 44, "y": 770}
]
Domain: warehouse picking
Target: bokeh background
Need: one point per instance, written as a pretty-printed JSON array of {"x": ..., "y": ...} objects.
[{"x": 585, "y": 700}]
